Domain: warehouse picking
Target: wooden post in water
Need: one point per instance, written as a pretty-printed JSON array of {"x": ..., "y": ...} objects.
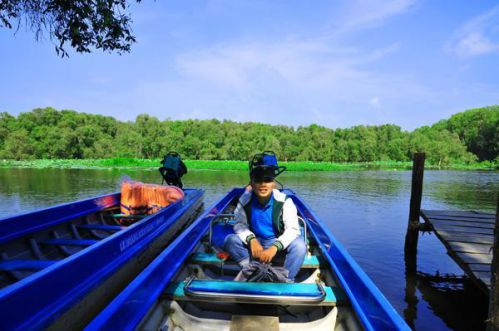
[
  {"x": 411, "y": 240},
  {"x": 412, "y": 235},
  {"x": 493, "y": 320}
]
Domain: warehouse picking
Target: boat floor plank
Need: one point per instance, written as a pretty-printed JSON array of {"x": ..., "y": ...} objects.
[{"x": 252, "y": 322}]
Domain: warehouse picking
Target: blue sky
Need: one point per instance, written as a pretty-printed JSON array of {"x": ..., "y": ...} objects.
[{"x": 333, "y": 63}]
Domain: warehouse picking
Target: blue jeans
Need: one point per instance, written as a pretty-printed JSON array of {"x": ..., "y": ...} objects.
[{"x": 293, "y": 255}]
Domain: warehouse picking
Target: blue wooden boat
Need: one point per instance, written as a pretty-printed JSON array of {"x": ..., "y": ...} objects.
[
  {"x": 61, "y": 265},
  {"x": 187, "y": 287}
]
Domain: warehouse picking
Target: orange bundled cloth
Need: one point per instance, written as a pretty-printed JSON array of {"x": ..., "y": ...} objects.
[{"x": 140, "y": 198}]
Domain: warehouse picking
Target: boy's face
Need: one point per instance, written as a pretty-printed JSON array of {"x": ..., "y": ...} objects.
[{"x": 263, "y": 189}]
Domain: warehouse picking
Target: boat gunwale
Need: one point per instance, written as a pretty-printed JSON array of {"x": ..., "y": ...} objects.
[
  {"x": 40, "y": 307},
  {"x": 28, "y": 222},
  {"x": 128, "y": 309},
  {"x": 361, "y": 302}
]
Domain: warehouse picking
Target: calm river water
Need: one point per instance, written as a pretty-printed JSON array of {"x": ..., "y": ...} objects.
[{"x": 366, "y": 210}]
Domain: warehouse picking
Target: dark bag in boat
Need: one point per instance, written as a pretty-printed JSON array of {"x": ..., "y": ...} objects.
[
  {"x": 262, "y": 272},
  {"x": 173, "y": 169},
  {"x": 171, "y": 161}
]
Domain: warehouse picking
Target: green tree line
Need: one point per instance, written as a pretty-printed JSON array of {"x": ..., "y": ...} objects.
[{"x": 46, "y": 133}]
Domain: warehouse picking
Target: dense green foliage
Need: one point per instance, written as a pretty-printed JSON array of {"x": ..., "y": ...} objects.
[
  {"x": 84, "y": 25},
  {"x": 51, "y": 134},
  {"x": 152, "y": 164},
  {"x": 478, "y": 129}
]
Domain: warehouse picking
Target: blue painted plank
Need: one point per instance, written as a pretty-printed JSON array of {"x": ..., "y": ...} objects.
[
  {"x": 69, "y": 242},
  {"x": 101, "y": 227},
  {"x": 25, "y": 264},
  {"x": 211, "y": 258},
  {"x": 274, "y": 289},
  {"x": 269, "y": 289}
]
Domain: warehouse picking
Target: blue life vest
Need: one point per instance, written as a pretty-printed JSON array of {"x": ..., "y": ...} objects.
[{"x": 277, "y": 222}]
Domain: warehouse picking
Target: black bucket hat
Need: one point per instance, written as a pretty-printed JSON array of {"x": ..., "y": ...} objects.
[{"x": 264, "y": 166}]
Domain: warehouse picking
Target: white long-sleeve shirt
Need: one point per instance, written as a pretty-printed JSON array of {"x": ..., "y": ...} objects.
[{"x": 289, "y": 218}]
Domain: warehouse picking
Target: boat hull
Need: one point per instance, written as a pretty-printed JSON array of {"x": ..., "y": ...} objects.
[
  {"x": 360, "y": 299},
  {"x": 66, "y": 294}
]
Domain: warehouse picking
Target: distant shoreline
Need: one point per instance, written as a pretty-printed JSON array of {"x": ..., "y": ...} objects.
[{"x": 117, "y": 163}]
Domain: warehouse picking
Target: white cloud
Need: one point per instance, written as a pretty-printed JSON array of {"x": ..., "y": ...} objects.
[
  {"x": 368, "y": 13},
  {"x": 293, "y": 82},
  {"x": 478, "y": 36},
  {"x": 301, "y": 64},
  {"x": 374, "y": 101},
  {"x": 285, "y": 78},
  {"x": 475, "y": 44}
]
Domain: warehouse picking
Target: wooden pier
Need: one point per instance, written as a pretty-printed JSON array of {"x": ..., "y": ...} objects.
[
  {"x": 471, "y": 239},
  {"x": 468, "y": 237}
]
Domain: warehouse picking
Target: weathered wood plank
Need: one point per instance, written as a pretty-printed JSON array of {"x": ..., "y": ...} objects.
[
  {"x": 474, "y": 221},
  {"x": 479, "y": 267},
  {"x": 487, "y": 282},
  {"x": 465, "y": 267},
  {"x": 474, "y": 258},
  {"x": 467, "y": 238},
  {"x": 470, "y": 216},
  {"x": 460, "y": 229},
  {"x": 446, "y": 213},
  {"x": 470, "y": 248},
  {"x": 467, "y": 222},
  {"x": 484, "y": 276}
]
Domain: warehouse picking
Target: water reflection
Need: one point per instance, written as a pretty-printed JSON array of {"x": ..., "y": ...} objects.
[
  {"x": 453, "y": 299},
  {"x": 366, "y": 211},
  {"x": 464, "y": 190},
  {"x": 411, "y": 266}
]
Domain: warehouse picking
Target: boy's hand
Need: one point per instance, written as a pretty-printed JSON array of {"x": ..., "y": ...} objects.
[
  {"x": 256, "y": 248},
  {"x": 267, "y": 255}
]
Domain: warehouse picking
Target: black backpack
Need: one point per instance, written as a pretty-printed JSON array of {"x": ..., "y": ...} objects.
[
  {"x": 171, "y": 161},
  {"x": 173, "y": 169}
]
